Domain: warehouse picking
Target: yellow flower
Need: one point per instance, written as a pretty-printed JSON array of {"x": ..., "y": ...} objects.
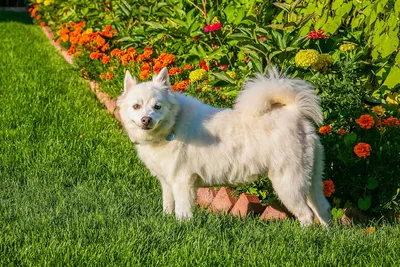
[
  {"x": 198, "y": 75},
  {"x": 214, "y": 20},
  {"x": 393, "y": 98},
  {"x": 48, "y": 2},
  {"x": 206, "y": 88},
  {"x": 90, "y": 30},
  {"x": 379, "y": 110},
  {"x": 368, "y": 230},
  {"x": 232, "y": 74},
  {"x": 39, "y": 1},
  {"x": 346, "y": 47},
  {"x": 324, "y": 60},
  {"x": 306, "y": 58}
]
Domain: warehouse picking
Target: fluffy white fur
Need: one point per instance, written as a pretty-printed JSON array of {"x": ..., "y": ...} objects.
[{"x": 269, "y": 130}]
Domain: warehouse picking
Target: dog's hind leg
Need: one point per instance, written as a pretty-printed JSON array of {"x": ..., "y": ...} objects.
[
  {"x": 292, "y": 190},
  {"x": 316, "y": 199}
]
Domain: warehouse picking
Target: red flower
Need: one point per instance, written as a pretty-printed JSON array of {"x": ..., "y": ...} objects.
[
  {"x": 342, "y": 132},
  {"x": 329, "y": 188},
  {"x": 365, "y": 121},
  {"x": 213, "y": 27},
  {"x": 316, "y": 35},
  {"x": 362, "y": 150},
  {"x": 325, "y": 129},
  {"x": 203, "y": 65},
  {"x": 188, "y": 67},
  {"x": 109, "y": 75},
  {"x": 392, "y": 122},
  {"x": 223, "y": 67}
]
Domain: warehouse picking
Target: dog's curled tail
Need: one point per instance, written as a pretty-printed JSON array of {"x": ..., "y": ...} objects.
[{"x": 261, "y": 93}]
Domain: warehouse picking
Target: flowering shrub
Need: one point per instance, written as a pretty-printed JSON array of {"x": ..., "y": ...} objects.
[{"x": 349, "y": 54}]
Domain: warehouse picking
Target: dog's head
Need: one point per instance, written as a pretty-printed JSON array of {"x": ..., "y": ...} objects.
[{"x": 148, "y": 110}]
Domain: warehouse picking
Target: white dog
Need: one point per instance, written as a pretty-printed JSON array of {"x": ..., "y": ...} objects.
[{"x": 188, "y": 144}]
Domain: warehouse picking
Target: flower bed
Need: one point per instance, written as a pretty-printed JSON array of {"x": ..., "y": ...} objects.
[{"x": 210, "y": 52}]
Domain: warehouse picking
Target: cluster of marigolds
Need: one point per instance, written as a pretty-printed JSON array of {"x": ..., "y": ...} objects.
[{"x": 99, "y": 46}]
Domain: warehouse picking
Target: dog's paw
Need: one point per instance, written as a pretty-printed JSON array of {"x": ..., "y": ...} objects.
[
  {"x": 183, "y": 216},
  {"x": 168, "y": 211}
]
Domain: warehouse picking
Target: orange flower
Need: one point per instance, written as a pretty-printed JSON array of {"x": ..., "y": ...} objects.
[
  {"x": 392, "y": 122},
  {"x": 71, "y": 50},
  {"x": 100, "y": 41},
  {"x": 105, "y": 59},
  {"x": 42, "y": 24},
  {"x": 132, "y": 52},
  {"x": 109, "y": 75},
  {"x": 96, "y": 55},
  {"x": 188, "y": 67},
  {"x": 325, "y": 129},
  {"x": 125, "y": 59},
  {"x": 33, "y": 12},
  {"x": 329, "y": 188},
  {"x": 365, "y": 121},
  {"x": 157, "y": 67},
  {"x": 144, "y": 74},
  {"x": 105, "y": 47},
  {"x": 102, "y": 76},
  {"x": 117, "y": 52},
  {"x": 180, "y": 86},
  {"x": 147, "y": 52},
  {"x": 342, "y": 132},
  {"x": 175, "y": 71},
  {"x": 362, "y": 150},
  {"x": 145, "y": 66},
  {"x": 38, "y": 17}
]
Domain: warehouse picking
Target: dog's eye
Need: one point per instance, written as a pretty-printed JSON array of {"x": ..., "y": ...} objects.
[
  {"x": 136, "y": 106},
  {"x": 157, "y": 106}
]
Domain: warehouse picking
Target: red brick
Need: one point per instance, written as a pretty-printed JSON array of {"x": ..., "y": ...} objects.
[
  {"x": 245, "y": 204},
  {"x": 223, "y": 201},
  {"x": 205, "y": 196},
  {"x": 275, "y": 211}
]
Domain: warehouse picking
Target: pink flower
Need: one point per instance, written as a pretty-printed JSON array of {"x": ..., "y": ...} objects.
[
  {"x": 213, "y": 27},
  {"x": 223, "y": 67},
  {"x": 262, "y": 38},
  {"x": 316, "y": 35}
]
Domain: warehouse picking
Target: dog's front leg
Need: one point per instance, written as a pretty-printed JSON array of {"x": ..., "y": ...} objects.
[
  {"x": 185, "y": 196},
  {"x": 168, "y": 198}
]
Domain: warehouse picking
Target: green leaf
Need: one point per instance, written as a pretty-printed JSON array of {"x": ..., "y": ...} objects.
[
  {"x": 392, "y": 79},
  {"x": 337, "y": 213},
  {"x": 364, "y": 203},
  {"x": 372, "y": 183},
  {"x": 350, "y": 138},
  {"x": 222, "y": 76}
]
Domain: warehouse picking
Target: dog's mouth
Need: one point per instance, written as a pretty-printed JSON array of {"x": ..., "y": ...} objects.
[{"x": 146, "y": 127}]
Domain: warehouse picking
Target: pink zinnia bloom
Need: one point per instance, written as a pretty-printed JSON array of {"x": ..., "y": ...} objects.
[
  {"x": 213, "y": 27},
  {"x": 223, "y": 67},
  {"x": 316, "y": 35},
  {"x": 262, "y": 38}
]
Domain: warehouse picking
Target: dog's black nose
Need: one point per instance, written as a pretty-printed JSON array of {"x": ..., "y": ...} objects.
[{"x": 146, "y": 120}]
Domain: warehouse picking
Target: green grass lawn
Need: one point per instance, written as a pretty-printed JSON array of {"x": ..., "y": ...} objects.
[{"x": 73, "y": 193}]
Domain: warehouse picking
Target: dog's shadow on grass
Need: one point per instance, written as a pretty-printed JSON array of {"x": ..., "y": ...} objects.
[{"x": 13, "y": 16}]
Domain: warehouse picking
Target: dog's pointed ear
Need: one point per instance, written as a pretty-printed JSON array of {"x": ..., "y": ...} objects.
[
  {"x": 129, "y": 81},
  {"x": 162, "y": 78}
]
